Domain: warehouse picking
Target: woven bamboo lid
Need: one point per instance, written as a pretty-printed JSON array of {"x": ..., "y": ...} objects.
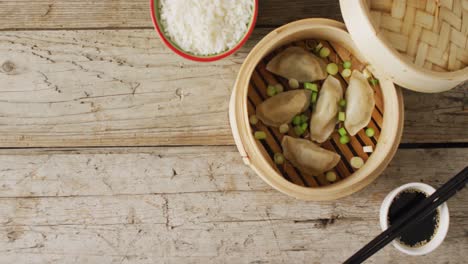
[{"x": 420, "y": 44}]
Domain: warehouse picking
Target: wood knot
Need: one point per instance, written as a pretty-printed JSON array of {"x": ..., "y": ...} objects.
[
  {"x": 14, "y": 234},
  {"x": 8, "y": 66}
]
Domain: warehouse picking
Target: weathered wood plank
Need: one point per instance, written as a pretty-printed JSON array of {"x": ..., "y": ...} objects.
[
  {"x": 109, "y": 88},
  {"x": 238, "y": 242},
  {"x": 73, "y": 14},
  {"x": 119, "y": 172},
  {"x": 181, "y": 209},
  {"x": 208, "y": 222},
  {"x": 439, "y": 117},
  {"x": 105, "y": 210},
  {"x": 127, "y": 171},
  {"x": 124, "y": 88}
]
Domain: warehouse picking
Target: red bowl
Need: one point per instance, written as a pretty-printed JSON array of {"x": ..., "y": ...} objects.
[{"x": 180, "y": 52}]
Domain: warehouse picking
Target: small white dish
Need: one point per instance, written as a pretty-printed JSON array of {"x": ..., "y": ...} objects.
[{"x": 441, "y": 231}]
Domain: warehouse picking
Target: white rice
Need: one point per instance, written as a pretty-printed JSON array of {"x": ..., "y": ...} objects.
[{"x": 206, "y": 27}]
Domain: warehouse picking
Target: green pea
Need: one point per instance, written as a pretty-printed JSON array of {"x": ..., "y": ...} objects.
[
  {"x": 298, "y": 130},
  {"x": 279, "y": 158},
  {"x": 342, "y": 131},
  {"x": 344, "y": 140},
  {"x": 297, "y": 120},
  {"x": 279, "y": 88},
  {"x": 313, "y": 98},
  {"x": 342, "y": 116},
  {"x": 253, "y": 119},
  {"x": 342, "y": 103},
  {"x": 332, "y": 68},
  {"x": 370, "y": 132},
  {"x": 293, "y": 83},
  {"x": 311, "y": 86},
  {"x": 304, "y": 118},
  {"x": 346, "y": 73},
  {"x": 324, "y": 52},
  {"x": 331, "y": 176},
  {"x": 260, "y": 135},
  {"x": 284, "y": 128},
  {"x": 347, "y": 65},
  {"x": 374, "y": 81},
  {"x": 356, "y": 162},
  {"x": 271, "y": 90}
]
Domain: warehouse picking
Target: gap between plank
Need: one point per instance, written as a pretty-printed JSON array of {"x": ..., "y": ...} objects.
[
  {"x": 136, "y": 194},
  {"x": 109, "y": 28},
  {"x": 433, "y": 145},
  {"x": 74, "y": 29},
  {"x": 401, "y": 146}
]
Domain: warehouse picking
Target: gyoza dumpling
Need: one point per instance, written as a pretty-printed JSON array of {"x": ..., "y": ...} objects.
[
  {"x": 323, "y": 120},
  {"x": 360, "y": 103},
  {"x": 281, "y": 108},
  {"x": 297, "y": 63},
  {"x": 307, "y": 156}
]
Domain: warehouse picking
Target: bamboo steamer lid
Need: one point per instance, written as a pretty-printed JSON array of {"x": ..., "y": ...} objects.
[{"x": 422, "y": 45}]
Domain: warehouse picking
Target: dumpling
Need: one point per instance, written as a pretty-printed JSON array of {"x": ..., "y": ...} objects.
[
  {"x": 360, "y": 103},
  {"x": 307, "y": 156},
  {"x": 297, "y": 63},
  {"x": 324, "y": 117},
  {"x": 281, "y": 108}
]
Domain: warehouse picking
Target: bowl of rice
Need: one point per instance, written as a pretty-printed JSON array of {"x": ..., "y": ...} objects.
[{"x": 204, "y": 30}]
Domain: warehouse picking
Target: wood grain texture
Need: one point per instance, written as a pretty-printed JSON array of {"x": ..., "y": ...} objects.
[
  {"x": 169, "y": 170},
  {"x": 440, "y": 117},
  {"x": 227, "y": 215},
  {"x": 265, "y": 241},
  {"x": 75, "y": 14},
  {"x": 104, "y": 87},
  {"x": 124, "y": 171},
  {"x": 124, "y": 88}
]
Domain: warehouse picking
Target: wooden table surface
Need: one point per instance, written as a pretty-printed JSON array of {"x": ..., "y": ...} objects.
[{"x": 114, "y": 150}]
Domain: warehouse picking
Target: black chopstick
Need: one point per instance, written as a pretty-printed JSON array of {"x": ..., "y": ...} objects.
[
  {"x": 418, "y": 213},
  {"x": 411, "y": 223}
]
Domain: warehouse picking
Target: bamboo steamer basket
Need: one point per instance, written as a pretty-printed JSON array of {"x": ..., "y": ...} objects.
[
  {"x": 252, "y": 151},
  {"x": 382, "y": 54}
]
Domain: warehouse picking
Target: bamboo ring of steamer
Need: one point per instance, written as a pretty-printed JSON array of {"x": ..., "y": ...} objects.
[{"x": 252, "y": 151}]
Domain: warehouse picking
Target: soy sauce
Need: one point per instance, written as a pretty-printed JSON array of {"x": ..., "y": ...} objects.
[{"x": 424, "y": 230}]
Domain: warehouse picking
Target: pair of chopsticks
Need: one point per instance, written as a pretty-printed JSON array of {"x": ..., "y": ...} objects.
[{"x": 411, "y": 218}]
